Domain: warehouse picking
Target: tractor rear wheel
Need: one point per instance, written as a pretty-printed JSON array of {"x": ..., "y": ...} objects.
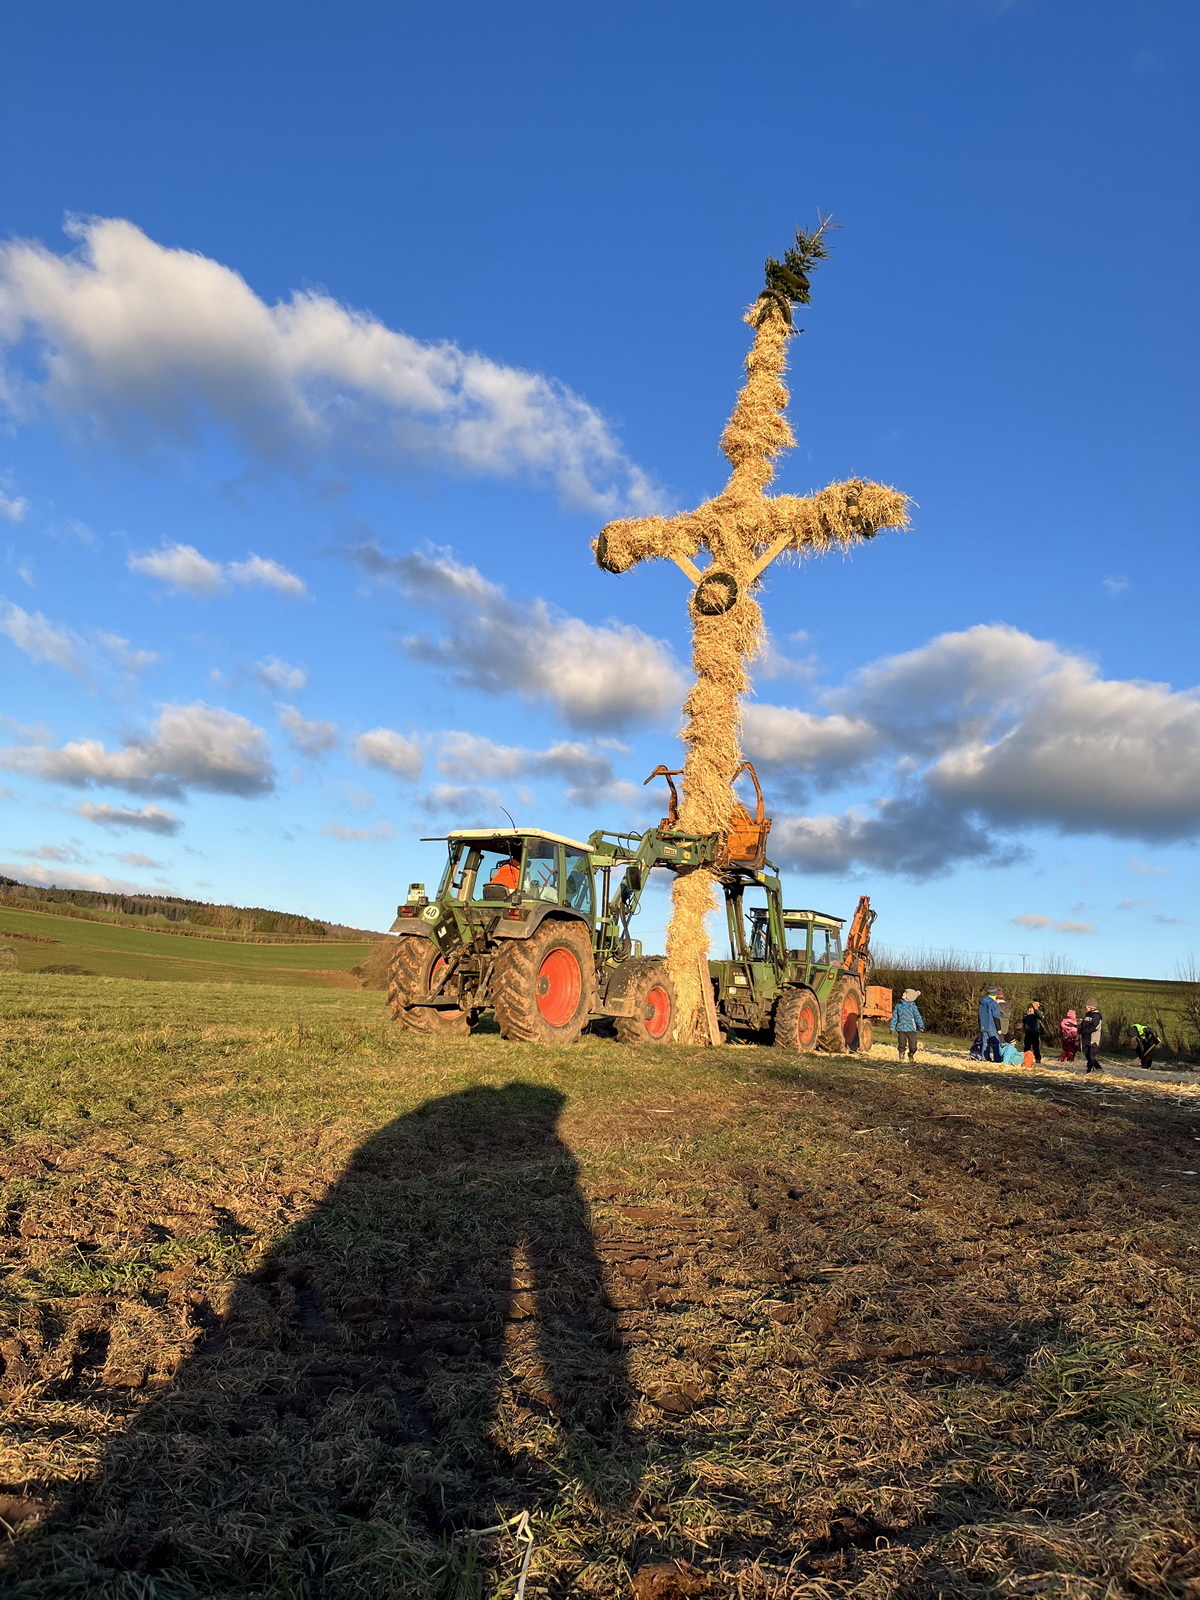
[
  {"x": 797, "y": 1021},
  {"x": 412, "y": 971},
  {"x": 543, "y": 987},
  {"x": 842, "y": 1018},
  {"x": 652, "y": 1018}
]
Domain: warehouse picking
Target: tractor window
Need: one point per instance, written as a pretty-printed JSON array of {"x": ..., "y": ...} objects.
[
  {"x": 497, "y": 864},
  {"x": 579, "y": 881},
  {"x": 757, "y": 926},
  {"x": 541, "y": 869},
  {"x": 827, "y": 947},
  {"x": 797, "y": 940}
]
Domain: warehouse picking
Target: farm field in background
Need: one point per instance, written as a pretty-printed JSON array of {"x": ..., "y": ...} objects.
[
  {"x": 306, "y": 1298},
  {"x": 41, "y": 938}
]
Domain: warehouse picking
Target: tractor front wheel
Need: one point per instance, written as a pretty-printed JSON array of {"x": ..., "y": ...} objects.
[
  {"x": 412, "y": 972},
  {"x": 543, "y": 987},
  {"x": 652, "y": 1017},
  {"x": 843, "y": 1012},
  {"x": 797, "y": 1021}
]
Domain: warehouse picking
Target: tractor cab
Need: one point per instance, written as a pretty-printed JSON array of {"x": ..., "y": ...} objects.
[
  {"x": 812, "y": 940},
  {"x": 489, "y": 868}
]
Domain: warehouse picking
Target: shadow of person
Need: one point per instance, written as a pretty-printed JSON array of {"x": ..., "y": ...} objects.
[{"x": 431, "y": 1346}]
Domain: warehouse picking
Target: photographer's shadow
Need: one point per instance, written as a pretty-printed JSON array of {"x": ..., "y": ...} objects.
[{"x": 432, "y": 1344}]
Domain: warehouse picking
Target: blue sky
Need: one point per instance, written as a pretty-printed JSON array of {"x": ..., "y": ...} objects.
[{"x": 331, "y": 338}]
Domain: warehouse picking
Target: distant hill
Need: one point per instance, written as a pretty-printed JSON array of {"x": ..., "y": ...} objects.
[{"x": 172, "y": 913}]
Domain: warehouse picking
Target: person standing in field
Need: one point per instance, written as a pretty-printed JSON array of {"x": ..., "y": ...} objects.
[
  {"x": 1005, "y": 1011},
  {"x": 907, "y": 1022},
  {"x": 1145, "y": 1042},
  {"x": 989, "y": 1025},
  {"x": 1034, "y": 1022},
  {"x": 1091, "y": 1031},
  {"x": 1068, "y": 1032}
]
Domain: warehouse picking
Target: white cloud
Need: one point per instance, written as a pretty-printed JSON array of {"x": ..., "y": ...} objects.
[
  {"x": 54, "y": 644},
  {"x": 192, "y": 747},
  {"x": 587, "y": 771},
  {"x": 181, "y": 567},
  {"x": 124, "y": 655},
  {"x": 972, "y": 740},
  {"x": 185, "y": 571},
  {"x": 134, "y": 858},
  {"x": 1132, "y": 905},
  {"x": 1038, "y": 924},
  {"x": 390, "y": 752},
  {"x": 1115, "y": 586},
  {"x": 312, "y": 738},
  {"x": 60, "y": 878},
  {"x": 597, "y": 676},
  {"x": 13, "y": 507},
  {"x": 41, "y": 640},
  {"x": 259, "y": 572},
  {"x": 825, "y": 748},
  {"x": 469, "y": 804},
  {"x": 278, "y": 676},
  {"x": 63, "y": 853},
  {"x": 149, "y": 819},
  {"x": 1145, "y": 870},
  {"x": 148, "y": 345},
  {"x": 375, "y": 835}
]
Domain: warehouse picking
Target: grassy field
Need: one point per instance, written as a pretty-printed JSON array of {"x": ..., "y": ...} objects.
[
  {"x": 39, "y": 939},
  {"x": 294, "y": 1302}
]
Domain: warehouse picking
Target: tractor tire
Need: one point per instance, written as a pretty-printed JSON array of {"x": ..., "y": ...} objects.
[
  {"x": 653, "y": 996},
  {"x": 866, "y": 1036},
  {"x": 543, "y": 987},
  {"x": 843, "y": 1018},
  {"x": 798, "y": 1022},
  {"x": 411, "y": 971}
]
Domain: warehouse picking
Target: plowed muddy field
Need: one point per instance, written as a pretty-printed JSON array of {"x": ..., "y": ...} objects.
[{"x": 297, "y": 1305}]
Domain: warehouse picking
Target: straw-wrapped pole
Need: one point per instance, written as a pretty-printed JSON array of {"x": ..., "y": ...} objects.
[{"x": 744, "y": 530}]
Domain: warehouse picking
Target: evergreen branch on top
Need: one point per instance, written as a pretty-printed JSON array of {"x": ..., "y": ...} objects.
[{"x": 788, "y": 280}]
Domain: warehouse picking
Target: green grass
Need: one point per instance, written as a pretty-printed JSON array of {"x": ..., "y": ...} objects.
[
  {"x": 292, "y": 1301},
  {"x": 39, "y": 939}
]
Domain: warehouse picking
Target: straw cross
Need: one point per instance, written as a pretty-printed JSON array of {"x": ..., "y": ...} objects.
[{"x": 743, "y": 529}]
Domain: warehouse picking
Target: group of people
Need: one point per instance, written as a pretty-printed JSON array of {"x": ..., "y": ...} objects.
[{"x": 996, "y": 1040}]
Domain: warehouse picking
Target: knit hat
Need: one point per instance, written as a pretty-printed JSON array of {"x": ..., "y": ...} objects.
[{"x": 911, "y": 994}]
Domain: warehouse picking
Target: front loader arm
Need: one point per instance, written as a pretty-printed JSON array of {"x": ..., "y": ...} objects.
[{"x": 641, "y": 853}]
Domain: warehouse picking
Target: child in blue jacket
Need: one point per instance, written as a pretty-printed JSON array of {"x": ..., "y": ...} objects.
[{"x": 907, "y": 1022}]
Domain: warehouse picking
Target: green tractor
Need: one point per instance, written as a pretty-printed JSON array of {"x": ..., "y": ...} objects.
[
  {"x": 788, "y": 973},
  {"x": 535, "y": 926}
]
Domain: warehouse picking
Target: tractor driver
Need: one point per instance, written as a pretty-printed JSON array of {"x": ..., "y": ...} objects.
[{"x": 507, "y": 874}]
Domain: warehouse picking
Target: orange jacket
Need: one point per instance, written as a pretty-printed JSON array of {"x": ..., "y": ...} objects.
[{"x": 507, "y": 874}]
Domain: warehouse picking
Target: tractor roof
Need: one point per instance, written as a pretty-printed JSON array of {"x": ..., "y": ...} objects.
[
  {"x": 821, "y": 918},
  {"x": 517, "y": 833}
]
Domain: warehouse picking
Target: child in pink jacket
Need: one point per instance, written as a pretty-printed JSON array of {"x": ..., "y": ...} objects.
[{"x": 1068, "y": 1030}]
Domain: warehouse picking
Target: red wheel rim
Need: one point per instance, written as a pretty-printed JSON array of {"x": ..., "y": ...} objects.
[
  {"x": 559, "y": 985},
  {"x": 806, "y": 1023},
  {"x": 850, "y": 1019},
  {"x": 435, "y": 972},
  {"x": 658, "y": 1011}
]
